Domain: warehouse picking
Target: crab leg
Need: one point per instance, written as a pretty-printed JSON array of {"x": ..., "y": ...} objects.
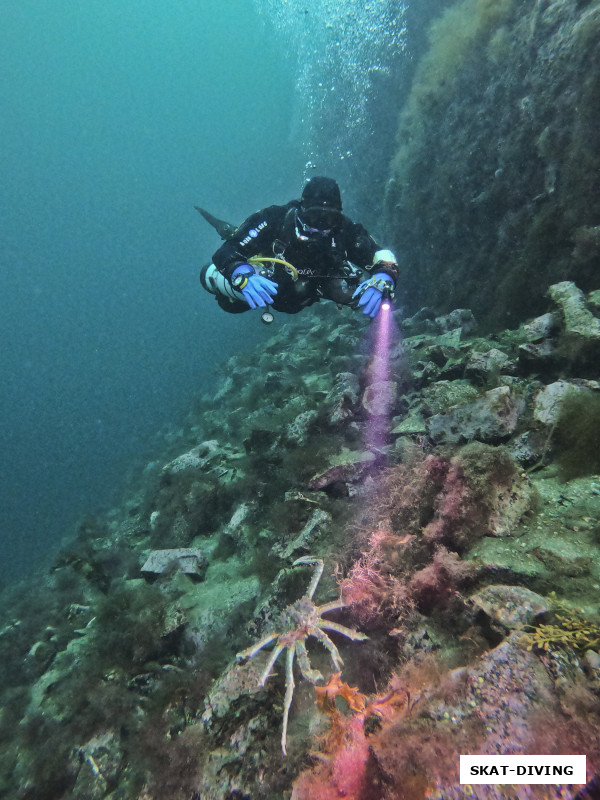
[
  {"x": 289, "y": 693},
  {"x": 318, "y": 565},
  {"x": 331, "y": 606},
  {"x": 253, "y": 650},
  {"x": 311, "y": 675},
  {"x": 271, "y": 663},
  {"x": 329, "y": 645},
  {"x": 356, "y": 636}
]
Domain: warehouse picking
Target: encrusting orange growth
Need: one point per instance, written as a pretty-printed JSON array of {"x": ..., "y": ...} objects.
[
  {"x": 343, "y": 760},
  {"x": 336, "y": 688}
]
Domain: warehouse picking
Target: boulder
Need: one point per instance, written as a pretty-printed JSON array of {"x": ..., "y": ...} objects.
[
  {"x": 482, "y": 365},
  {"x": 198, "y": 458},
  {"x": 421, "y": 322},
  {"x": 511, "y": 606},
  {"x": 379, "y": 398},
  {"x": 537, "y": 355},
  {"x": 343, "y": 397},
  {"x": 549, "y": 400},
  {"x": 98, "y": 765},
  {"x": 298, "y": 430},
  {"x": 460, "y": 319},
  {"x": 593, "y": 300},
  {"x": 347, "y": 467},
  {"x": 443, "y": 395},
  {"x": 542, "y": 327},
  {"x": 492, "y": 418},
  {"x": 528, "y": 448},
  {"x": 578, "y": 320},
  {"x": 412, "y": 424}
]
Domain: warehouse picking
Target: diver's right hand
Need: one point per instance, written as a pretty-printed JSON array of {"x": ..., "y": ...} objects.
[{"x": 257, "y": 290}]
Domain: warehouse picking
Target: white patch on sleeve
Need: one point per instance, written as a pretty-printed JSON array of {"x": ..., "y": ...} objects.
[{"x": 384, "y": 255}]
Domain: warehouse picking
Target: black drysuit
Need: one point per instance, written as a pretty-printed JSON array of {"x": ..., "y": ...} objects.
[{"x": 329, "y": 267}]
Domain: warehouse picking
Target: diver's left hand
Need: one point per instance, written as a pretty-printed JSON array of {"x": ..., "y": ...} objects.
[
  {"x": 371, "y": 291},
  {"x": 259, "y": 292}
]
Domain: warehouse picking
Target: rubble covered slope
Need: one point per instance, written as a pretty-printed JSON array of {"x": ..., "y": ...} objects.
[{"x": 460, "y": 577}]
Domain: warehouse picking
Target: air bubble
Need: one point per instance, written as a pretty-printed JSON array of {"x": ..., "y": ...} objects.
[{"x": 334, "y": 72}]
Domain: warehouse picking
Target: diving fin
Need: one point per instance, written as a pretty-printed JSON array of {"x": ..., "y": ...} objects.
[{"x": 224, "y": 229}]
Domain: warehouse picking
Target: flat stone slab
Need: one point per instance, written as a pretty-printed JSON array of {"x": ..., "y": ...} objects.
[{"x": 184, "y": 559}]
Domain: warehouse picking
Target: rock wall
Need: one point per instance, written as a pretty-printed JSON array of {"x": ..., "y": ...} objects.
[{"x": 493, "y": 189}]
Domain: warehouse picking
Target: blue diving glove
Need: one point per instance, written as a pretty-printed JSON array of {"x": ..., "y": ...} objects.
[
  {"x": 371, "y": 293},
  {"x": 257, "y": 290}
]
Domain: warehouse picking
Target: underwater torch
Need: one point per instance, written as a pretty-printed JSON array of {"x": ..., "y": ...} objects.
[{"x": 386, "y": 300}]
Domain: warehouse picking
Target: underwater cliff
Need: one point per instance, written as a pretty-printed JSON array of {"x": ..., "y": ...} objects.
[{"x": 493, "y": 192}]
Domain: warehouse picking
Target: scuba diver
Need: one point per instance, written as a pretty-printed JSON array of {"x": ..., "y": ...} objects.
[{"x": 287, "y": 257}]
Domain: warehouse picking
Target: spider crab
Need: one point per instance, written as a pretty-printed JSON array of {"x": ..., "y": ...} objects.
[{"x": 301, "y": 620}]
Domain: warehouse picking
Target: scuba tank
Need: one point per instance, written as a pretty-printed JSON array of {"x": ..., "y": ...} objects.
[{"x": 217, "y": 284}]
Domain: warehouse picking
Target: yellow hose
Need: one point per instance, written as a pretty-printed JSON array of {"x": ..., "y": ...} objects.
[{"x": 290, "y": 268}]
